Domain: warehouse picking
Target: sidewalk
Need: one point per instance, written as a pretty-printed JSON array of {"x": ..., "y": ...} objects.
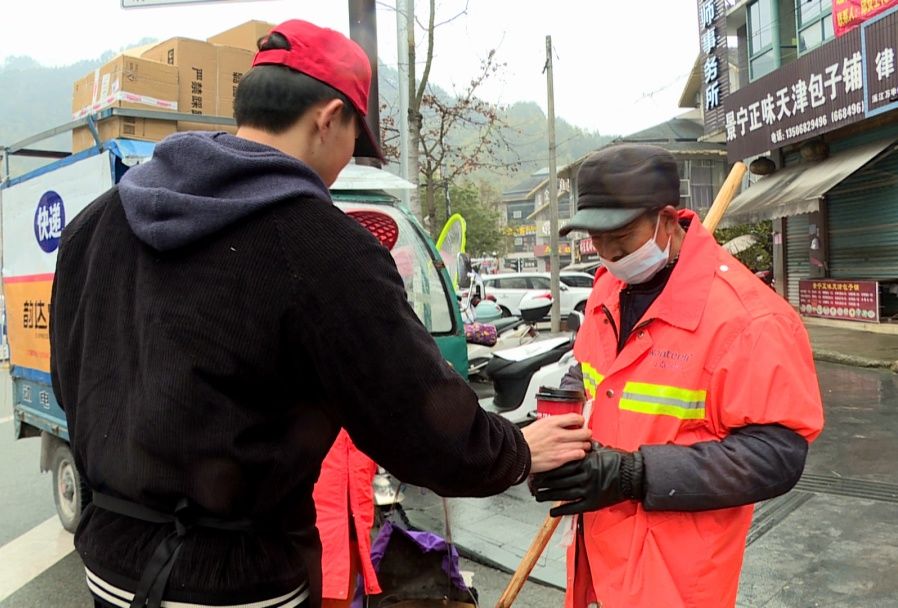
[{"x": 854, "y": 347}]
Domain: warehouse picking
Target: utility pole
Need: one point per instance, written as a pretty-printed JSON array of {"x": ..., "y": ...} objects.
[
  {"x": 403, "y": 7},
  {"x": 412, "y": 113},
  {"x": 363, "y": 30},
  {"x": 553, "y": 193},
  {"x": 572, "y": 192}
]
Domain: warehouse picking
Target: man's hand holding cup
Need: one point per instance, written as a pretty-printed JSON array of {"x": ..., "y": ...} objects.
[{"x": 558, "y": 435}]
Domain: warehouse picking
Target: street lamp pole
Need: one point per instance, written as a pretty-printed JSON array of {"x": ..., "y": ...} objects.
[{"x": 553, "y": 193}]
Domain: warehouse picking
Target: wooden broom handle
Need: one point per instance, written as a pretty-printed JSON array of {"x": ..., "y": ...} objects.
[
  {"x": 721, "y": 202},
  {"x": 724, "y": 197},
  {"x": 526, "y": 566}
]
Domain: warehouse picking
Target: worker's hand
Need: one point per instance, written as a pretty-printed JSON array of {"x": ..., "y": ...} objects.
[
  {"x": 605, "y": 477},
  {"x": 556, "y": 440}
]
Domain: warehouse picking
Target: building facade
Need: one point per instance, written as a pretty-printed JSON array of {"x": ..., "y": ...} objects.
[
  {"x": 520, "y": 233},
  {"x": 813, "y": 109}
]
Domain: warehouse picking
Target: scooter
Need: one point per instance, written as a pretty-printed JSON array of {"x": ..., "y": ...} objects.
[
  {"x": 518, "y": 373},
  {"x": 479, "y": 312},
  {"x": 388, "y": 499},
  {"x": 511, "y": 333}
]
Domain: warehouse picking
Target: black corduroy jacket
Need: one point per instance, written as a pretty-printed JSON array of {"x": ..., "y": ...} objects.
[{"x": 220, "y": 371}]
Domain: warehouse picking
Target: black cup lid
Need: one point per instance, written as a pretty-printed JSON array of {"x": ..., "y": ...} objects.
[{"x": 559, "y": 394}]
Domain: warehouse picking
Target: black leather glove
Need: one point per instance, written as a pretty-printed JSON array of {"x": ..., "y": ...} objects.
[{"x": 605, "y": 477}]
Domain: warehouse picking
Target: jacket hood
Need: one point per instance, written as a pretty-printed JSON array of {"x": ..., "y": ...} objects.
[{"x": 198, "y": 183}]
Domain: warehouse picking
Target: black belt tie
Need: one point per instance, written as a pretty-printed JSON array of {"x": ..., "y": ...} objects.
[{"x": 155, "y": 575}]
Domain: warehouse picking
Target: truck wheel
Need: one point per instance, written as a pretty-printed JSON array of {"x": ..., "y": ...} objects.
[{"x": 70, "y": 493}]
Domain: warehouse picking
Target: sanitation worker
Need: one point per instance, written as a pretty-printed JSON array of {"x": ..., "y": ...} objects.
[
  {"x": 704, "y": 393},
  {"x": 217, "y": 320}
]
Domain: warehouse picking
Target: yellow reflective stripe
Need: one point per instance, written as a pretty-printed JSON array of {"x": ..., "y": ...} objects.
[
  {"x": 591, "y": 379},
  {"x": 589, "y": 387},
  {"x": 660, "y": 409},
  {"x": 662, "y": 400},
  {"x": 594, "y": 375},
  {"x": 673, "y": 393}
]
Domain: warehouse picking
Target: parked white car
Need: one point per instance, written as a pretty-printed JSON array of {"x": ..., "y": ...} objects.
[
  {"x": 508, "y": 290},
  {"x": 577, "y": 279},
  {"x": 585, "y": 267}
]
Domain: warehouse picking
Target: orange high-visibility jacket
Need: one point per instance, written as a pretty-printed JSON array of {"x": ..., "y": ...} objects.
[
  {"x": 343, "y": 490},
  {"x": 717, "y": 350}
]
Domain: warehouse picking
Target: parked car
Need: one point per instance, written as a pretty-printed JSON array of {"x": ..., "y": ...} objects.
[
  {"x": 508, "y": 290},
  {"x": 577, "y": 279},
  {"x": 587, "y": 267}
]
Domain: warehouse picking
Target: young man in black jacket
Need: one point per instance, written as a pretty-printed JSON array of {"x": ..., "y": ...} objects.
[{"x": 217, "y": 320}]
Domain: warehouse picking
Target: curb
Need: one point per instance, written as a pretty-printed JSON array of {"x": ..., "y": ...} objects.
[{"x": 832, "y": 356}]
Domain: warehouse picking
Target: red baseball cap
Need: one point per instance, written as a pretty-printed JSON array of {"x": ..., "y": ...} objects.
[{"x": 329, "y": 57}]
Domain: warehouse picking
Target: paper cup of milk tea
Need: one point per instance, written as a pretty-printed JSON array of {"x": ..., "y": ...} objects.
[{"x": 556, "y": 401}]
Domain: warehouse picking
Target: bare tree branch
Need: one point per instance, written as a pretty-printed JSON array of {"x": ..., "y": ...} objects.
[
  {"x": 426, "y": 75},
  {"x": 464, "y": 11}
]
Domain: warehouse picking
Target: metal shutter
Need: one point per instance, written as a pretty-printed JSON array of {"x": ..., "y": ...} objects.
[{"x": 797, "y": 254}]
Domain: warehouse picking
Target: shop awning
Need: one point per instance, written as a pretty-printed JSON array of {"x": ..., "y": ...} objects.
[{"x": 797, "y": 189}]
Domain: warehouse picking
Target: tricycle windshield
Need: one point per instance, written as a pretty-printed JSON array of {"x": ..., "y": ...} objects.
[{"x": 426, "y": 291}]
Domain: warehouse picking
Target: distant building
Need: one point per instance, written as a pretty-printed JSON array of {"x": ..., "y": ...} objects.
[
  {"x": 520, "y": 233},
  {"x": 702, "y": 166}
]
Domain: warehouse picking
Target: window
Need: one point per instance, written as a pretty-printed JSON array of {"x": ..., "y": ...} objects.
[
  {"x": 540, "y": 283},
  {"x": 701, "y": 185},
  {"x": 815, "y": 23},
  {"x": 517, "y": 215},
  {"x": 564, "y": 208},
  {"x": 511, "y": 283},
  {"x": 762, "y": 38},
  {"x": 682, "y": 169},
  {"x": 576, "y": 281},
  {"x": 685, "y": 194}
]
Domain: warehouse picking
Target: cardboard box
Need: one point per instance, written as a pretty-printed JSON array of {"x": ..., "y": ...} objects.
[
  {"x": 126, "y": 82},
  {"x": 244, "y": 36},
  {"x": 138, "y": 51},
  {"x": 233, "y": 63},
  {"x": 144, "y": 129},
  {"x": 186, "y": 125},
  {"x": 197, "y": 65}
]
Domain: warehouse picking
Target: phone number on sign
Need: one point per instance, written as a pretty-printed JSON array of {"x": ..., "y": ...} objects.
[
  {"x": 808, "y": 126},
  {"x": 847, "y": 112},
  {"x": 817, "y": 123}
]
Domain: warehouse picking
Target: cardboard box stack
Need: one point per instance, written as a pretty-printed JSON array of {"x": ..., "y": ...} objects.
[
  {"x": 233, "y": 63},
  {"x": 236, "y": 48},
  {"x": 178, "y": 75},
  {"x": 245, "y": 36},
  {"x": 197, "y": 64},
  {"x": 125, "y": 82}
]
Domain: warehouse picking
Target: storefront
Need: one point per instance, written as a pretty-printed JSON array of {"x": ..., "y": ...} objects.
[
  {"x": 828, "y": 121},
  {"x": 544, "y": 254}
]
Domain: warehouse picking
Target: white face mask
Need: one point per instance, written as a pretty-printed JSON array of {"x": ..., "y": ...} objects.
[{"x": 642, "y": 264}]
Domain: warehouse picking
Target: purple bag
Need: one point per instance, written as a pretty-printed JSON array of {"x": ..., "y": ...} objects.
[
  {"x": 414, "y": 566},
  {"x": 481, "y": 333}
]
